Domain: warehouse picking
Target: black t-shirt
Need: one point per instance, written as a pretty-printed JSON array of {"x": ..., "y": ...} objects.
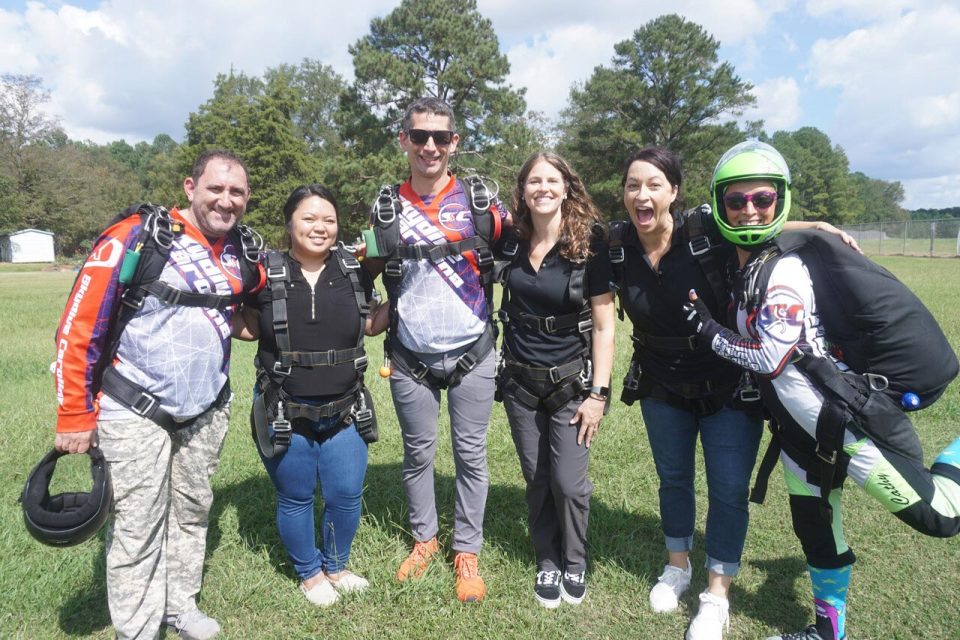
[
  {"x": 545, "y": 293},
  {"x": 654, "y": 299},
  {"x": 320, "y": 318}
]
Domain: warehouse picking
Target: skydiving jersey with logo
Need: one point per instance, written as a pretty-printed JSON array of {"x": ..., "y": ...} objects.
[
  {"x": 179, "y": 354},
  {"x": 786, "y": 319},
  {"x": 441, "y": 303}
]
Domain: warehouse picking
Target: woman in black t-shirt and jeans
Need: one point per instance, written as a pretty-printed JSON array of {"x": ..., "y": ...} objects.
[
  {"x": 323, "y": 315},
  {"x": 557, "y": 357}
]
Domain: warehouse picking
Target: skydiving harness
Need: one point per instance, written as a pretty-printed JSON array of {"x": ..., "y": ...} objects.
[
  {"x": 385, "y": 217},
  {"x": 703, "y": 398},
  {"x": 140, "y": 277},
  {"x": 859, "y": 401},
  {"x": 274, "y": 407},
  {"x": 559, "y": 384}
]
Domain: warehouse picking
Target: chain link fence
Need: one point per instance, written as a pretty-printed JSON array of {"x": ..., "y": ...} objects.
[{"x": 934, "y": 238}]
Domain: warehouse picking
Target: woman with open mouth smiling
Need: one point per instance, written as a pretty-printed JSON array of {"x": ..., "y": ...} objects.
[{"x": 685, "y": 391}]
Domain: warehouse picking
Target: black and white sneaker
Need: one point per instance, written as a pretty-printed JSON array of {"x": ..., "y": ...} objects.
[
  {"x": 573, "y": 587},
  {"x": 810, "y": 633},
  {"x": 547, "y": 589}
]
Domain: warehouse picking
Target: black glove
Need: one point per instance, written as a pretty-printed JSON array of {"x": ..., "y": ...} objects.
[{"x": 700, "y": 320}]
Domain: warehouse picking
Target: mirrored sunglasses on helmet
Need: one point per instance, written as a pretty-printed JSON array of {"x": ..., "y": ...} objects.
[
  {"x": 761, "y": 200},
  {"x": 420, "y": 136}
]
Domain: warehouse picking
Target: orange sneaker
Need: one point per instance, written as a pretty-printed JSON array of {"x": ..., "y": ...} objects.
[
  {"x": 470, "y": 587},
  {"x": 418, "y": 560}
]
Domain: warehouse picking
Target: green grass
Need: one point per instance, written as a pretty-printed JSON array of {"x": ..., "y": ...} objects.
[{"x": 903, "y": 586}]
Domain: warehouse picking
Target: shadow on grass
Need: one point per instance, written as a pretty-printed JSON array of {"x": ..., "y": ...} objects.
[
  {"x": 629, "y": 540},
  {"x": 85, "y": 612},
  {"x": 773, "y": 602}
]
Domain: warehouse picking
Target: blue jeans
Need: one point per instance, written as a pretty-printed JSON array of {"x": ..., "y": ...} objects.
[
  {"x": 730, "y": 440},
  {"x": 339, "y": 462}
]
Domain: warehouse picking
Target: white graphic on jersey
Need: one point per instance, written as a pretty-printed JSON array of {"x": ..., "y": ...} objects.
[
  {"x": 455, "y": 217},
  {"x": 107, "y": 255}
]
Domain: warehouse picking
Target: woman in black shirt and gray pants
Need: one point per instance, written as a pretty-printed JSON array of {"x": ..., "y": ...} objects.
[{"x": 557, "y": 356}]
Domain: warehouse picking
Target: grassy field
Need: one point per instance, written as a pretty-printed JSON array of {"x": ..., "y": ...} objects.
[{"x": 904, "y": 585}]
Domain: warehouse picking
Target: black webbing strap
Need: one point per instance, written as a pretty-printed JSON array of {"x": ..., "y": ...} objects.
[
  {"x": 830, "y": 428},
  {"x": 141, "y": 402},
  {"x": 437, "y": 252},
  {"x": 664, "y": 343},
  {"x": 581, "y": 320},
  {"x": 545, "y": 374},
  {"x": 465, "y": 363},
  {"x": 315, "y": 412},
  {"x": 556, "y": 398},
  {"x": 278, "y": 277},
  {"x": 770, "y": 457},
  {"x": 701, "y": 248},
  {"x": 171, "y": 295},
  {"x": 330, "y": 358}
]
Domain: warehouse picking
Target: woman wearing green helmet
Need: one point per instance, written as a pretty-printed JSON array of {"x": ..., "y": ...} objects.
[
  {"x": 823, "y": 437},
  {"x": 685, "y": 391}
]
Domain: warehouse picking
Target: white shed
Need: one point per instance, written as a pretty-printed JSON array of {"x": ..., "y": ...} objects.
[{"x": 29, "y": 245}]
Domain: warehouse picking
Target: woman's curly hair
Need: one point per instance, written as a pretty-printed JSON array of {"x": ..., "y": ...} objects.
[{"x": 579, "y": 216}]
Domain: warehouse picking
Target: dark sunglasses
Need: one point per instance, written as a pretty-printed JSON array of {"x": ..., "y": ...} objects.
[
  {"x": 420, "y": 136},
  {"x": 760, "y": 200}
]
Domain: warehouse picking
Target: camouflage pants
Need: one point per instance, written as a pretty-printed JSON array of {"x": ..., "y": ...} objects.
[{"x": 157, "y": 538}]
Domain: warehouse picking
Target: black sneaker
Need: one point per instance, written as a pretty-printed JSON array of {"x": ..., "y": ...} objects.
[
  {"x": 547, "y": 589},
  {"x": 573, "y": 588}
]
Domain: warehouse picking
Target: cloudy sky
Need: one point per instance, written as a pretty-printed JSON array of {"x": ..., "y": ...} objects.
[{"x": 878, "y": 76}]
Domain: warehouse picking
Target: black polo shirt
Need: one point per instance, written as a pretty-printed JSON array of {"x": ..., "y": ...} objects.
[
  {"x": 320, "y": 318},
  {"x": 545, "y": 293},
  {"x": 654, "y": 299}
]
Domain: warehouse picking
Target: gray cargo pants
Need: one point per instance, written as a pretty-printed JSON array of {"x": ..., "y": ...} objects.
[
  {"x": 558, "y": 489},
  {"x": 157, "y": 538},
  {"x": 418, "y": 410}
]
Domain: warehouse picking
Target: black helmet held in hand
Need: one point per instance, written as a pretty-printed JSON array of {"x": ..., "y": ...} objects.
[{"x": 67, "y": 518}]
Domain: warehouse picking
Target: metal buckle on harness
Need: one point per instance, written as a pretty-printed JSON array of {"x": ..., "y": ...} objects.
[
  {"x": 250, "y": 251},
  {"x": 144, "y": 404},
  {"x": 420, "y": 371},
  {"x": 700, "y": 245},
  {"x": 692, "y": 342},
  {"x": 281, "y": 370},
  {"x": 466, "y": 362},
  {"x": 749, "y": 395},
  {"x": 617, "y": 255},
  {"x": 554, "y": 374},
  {"x": 386, "y": 204},
  {"x": 170, "y": 295},
  {"x": 479, "y": 193},
  {"x": 277, "y": 272},
  {"x": 877, "y": 381},
  {"x": 393, "y": 268},
  {"x": 510, "y": 249},
  {"x": 585, "y": 325},
  {"x": 484, "y": 257},
  {"x": 360, "y": 364},
  {"x": 438, "y": 252},
  {"x": 829, "y": 459},
  {"x": 550, "y": 324},
  {"x": 131, "y": 301},
  {"x": 281, "y": 432}
]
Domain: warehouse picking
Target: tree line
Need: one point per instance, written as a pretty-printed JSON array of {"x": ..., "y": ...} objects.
[{"x": 303, "y": 122}]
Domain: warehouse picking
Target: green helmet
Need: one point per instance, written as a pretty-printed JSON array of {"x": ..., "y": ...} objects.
[{"x": 751, "y": 160}]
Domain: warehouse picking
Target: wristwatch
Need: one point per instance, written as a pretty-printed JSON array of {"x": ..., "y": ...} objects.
[{"x": 600, "y": 393}]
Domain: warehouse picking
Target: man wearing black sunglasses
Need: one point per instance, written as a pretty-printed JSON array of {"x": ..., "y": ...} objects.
[{"x": 441, "y": 335}]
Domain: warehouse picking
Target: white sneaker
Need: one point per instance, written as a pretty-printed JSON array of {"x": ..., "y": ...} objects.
[
  {"x": 349, "y": 582},
  {"x": 665, "y": 595},
  {"x": 321, "y": 594},
  {"x": 711, "y": 620},
  {"x": 192, "y": 625}
]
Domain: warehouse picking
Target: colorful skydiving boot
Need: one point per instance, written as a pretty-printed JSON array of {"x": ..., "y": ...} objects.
[{"x": 948, "y": 462}]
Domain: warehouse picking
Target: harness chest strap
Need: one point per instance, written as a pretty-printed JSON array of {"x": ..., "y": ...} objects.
[{"x": 385, "y": 217}]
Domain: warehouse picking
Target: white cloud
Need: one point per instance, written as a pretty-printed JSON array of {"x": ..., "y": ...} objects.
[
  {"x": 778, "y": 104},
  {"x": 862, "y": 9},
  {"x": 898, "y": 115},
  {"x": 133, "y": 69},
  {"x": 939, "y": 192}
]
